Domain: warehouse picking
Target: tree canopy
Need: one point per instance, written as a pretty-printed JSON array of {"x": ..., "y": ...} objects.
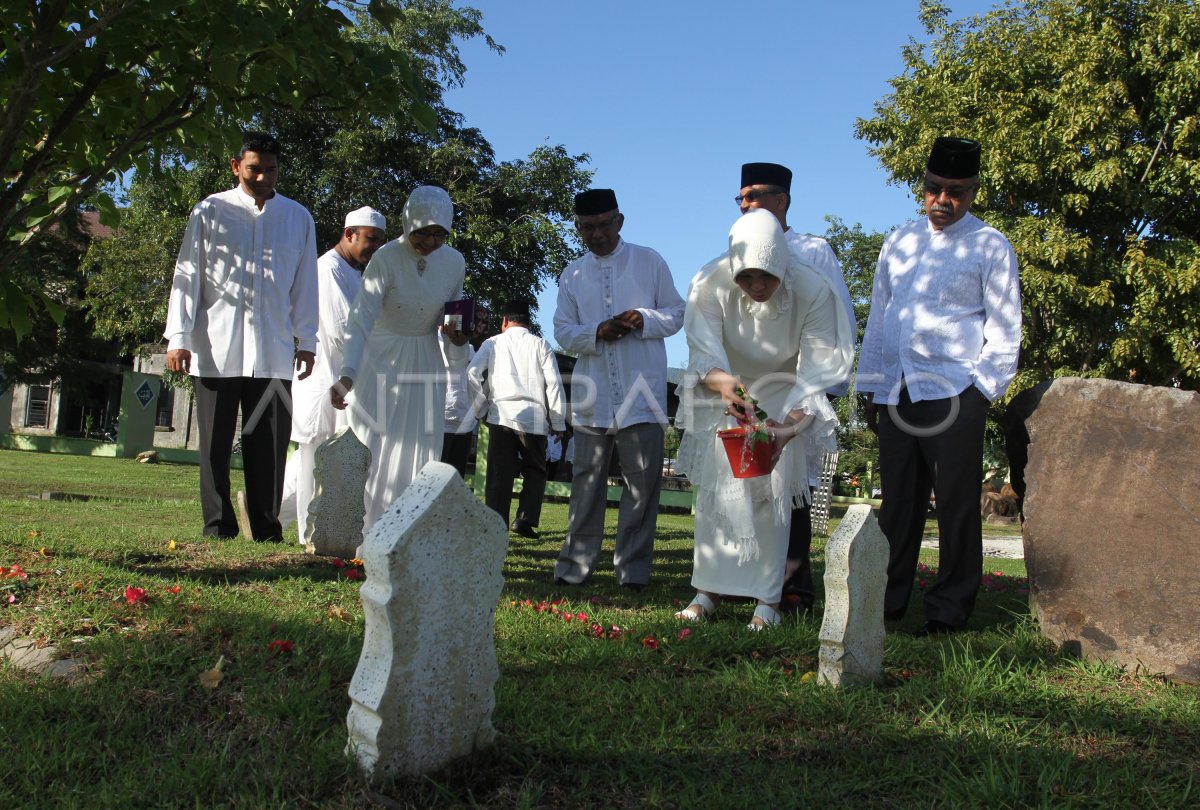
[
  {"x": 1089, "y": 116},
  {"x": 91, "y": 89}
]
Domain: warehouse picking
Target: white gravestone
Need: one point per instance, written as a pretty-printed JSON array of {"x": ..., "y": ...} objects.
[
  {"x": 335, "y": 514},
  {"x": 856, "y": 560},
  {"x": 423, "y": 690}
]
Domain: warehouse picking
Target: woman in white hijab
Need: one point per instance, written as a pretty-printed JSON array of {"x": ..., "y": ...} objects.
[
  {"x": 760, "y": 320},
  {"x": 391, "y": 360}
]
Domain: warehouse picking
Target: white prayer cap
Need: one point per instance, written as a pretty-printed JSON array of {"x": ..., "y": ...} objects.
[
  {"x": 428, "y": 205},
  {"x": 366, "y": 216},
  {"x": 757, "y": 242}
]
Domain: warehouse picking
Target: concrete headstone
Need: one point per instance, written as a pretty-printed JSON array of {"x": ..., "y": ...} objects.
[
  {"x": 852, "y": 631},
  {"x": 1112, "y": 523},
  {"x": 335, "y": 514},
  {"x": 423, "y": 690}
]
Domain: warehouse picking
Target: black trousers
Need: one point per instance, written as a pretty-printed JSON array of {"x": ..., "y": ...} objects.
[
  {"x": 800, "y": 582},
  {"x": 456, "y": 450},
  {"x": 511, "y": 452},
  {"x": 266, "y": 408},
  {"x": 933, "y": 446}
]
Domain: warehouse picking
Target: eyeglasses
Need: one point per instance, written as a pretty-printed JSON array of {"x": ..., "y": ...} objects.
[
  {"x": 430, "y": 234},
  {"x": 588, "y": 228},
  {"x": 954, "y": 192},
  {"x": 751, "y": 196}
]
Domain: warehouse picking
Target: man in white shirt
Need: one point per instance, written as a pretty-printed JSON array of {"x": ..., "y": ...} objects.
[
  {"x": 616, "y": 305},
  {"x": 314, "y": 420},
  {"x": 941, "y": 343},
  {"x": 459, "y": 431},
  {"x": 242, "y": 315},
  {"x": 769, "y": 186},
  {"x": 516, "y": 376}
]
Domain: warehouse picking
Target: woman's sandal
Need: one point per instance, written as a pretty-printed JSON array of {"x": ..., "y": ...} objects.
[
  {"x": 707, "y": 607},
  {"x": 767, "y": 617}
]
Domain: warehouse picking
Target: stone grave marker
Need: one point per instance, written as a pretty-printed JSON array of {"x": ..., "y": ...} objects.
[
  {"x": 1112, "y": 523},
  {"x": 852, "y": 631},
  {"x": 335, "y": 514},
  {"x": 423, "y": 690}
]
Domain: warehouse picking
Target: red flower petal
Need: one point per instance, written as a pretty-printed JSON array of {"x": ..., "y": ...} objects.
[
  {"x": 134, "y": 595},
  {"x": 354, "y": 574}
]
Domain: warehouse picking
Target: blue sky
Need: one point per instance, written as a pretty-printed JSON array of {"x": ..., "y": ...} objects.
[{"x": 668, "y": 98}]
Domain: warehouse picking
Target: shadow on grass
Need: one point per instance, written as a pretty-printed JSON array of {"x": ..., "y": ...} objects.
[{"x": 716, "y": 722}]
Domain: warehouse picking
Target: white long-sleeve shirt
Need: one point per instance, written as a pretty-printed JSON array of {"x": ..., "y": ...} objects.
[
  {"x": 816, "y": 253},
  {"x": 313, "y": 415},
  {"x": 624, "y": 382},
  {"x": 522, "y": 382},
  {"x": 460, "y": 417},
  {"x": 245, "y": 285},
  {"x": 945, "y": 313}
]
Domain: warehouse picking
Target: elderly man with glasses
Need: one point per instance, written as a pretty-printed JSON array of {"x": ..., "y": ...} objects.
[
  {"x": 616, "y": 305},
  {"x": 941, "y": 344}
]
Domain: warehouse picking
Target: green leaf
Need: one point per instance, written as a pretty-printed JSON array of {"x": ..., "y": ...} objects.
[{"x": 56, "y": 193}]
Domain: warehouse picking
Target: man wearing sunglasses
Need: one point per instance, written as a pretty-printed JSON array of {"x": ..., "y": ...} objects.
[{"x": 941, "y": 344}]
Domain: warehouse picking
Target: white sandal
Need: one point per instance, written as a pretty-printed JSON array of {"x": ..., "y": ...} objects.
[
  {"x": 707, "y": 608},
  {"x": 768, "y": 615}
]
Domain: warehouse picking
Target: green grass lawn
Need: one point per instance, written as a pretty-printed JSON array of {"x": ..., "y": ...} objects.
[{"x": 994, "y": 717}]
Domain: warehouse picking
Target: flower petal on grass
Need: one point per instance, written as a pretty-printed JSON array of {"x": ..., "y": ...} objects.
[
  {"x": 210, "y": 679},
  {"x": 353, "y": 574},
  {"x": 134, "y": 596},
  {"x": 281, "y": 647}
]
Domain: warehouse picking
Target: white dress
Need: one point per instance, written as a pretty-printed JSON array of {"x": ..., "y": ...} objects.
[
  {"x": 786, "y": 351},
  {"x": 397, "y": 405}
]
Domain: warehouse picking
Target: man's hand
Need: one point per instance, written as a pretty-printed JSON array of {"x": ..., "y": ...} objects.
[
  {"x": 337, "y": 393},
  {"x": 633, "y": 318},
  {"x": 612, "y": 329},
  {"x": 179, "y": 360},
  {"x": 871, "y": 413},
  {"x": 453, "y": 335},
  {"x": 306, "y": 361}
]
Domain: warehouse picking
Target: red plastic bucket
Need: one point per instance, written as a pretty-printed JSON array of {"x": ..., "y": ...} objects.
[{"x": 746, "y": 462}]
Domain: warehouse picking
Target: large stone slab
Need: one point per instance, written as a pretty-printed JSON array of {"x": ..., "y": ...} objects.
[
  {"x": 856, "y": 559},
  {"x": 335, "y": 514},
  {"x": 423, "y": 690},
  {"x": 1112, "y": 523}
]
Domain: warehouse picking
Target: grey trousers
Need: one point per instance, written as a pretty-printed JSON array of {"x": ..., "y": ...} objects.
[{"x": 640, "y": 451}]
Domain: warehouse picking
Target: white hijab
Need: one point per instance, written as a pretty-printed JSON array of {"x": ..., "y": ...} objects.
[
  {"x": 428, "y": 205},
  {"x": 756, "y": 242}
]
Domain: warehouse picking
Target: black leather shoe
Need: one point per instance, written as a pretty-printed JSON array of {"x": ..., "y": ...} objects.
[
  {"x": 524, "y": 528},
  {"x": 935, "y": 628},
  {"x": 636, "y": 587},
  {"x": 561, "y": 581},
  {"x": 795, "y": 604},
  {"x": 894, "y": 615}
]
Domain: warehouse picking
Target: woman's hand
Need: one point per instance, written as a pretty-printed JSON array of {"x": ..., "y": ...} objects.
[
  {"x": 722, "y": 382},
  {"x": 337, "y": 393},
  {"x": 453, "y": 335},
  {"x": 783, "y": 432}
]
